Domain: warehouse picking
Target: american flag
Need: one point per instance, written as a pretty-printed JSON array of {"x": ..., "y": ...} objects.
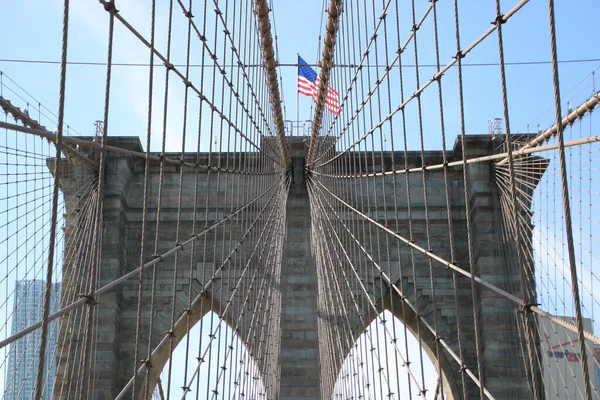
[{"x": 308, "y": 85}]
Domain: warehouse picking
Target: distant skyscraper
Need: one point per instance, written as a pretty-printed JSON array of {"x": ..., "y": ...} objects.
[{"x": 24, "y": 354}]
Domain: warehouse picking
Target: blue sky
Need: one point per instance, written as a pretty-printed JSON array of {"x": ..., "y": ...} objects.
[
  {"x": 32, "y": 31},
  {"x": 35, "y": 30}
]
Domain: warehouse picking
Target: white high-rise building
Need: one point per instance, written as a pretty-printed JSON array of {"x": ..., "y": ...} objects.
[{"x": 24, "y": 354}]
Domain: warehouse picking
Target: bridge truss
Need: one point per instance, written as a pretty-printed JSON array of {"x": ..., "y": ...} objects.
[{"x": 384, "y": 212}]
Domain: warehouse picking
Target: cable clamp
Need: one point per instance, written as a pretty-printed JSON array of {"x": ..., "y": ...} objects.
[
  {"x": 109, "y": 6},
  {"x": 89, "y": 299},
  {"x": 188, "y": 14},
  {"x": 459, "y": 55},
  {"x": 527, "y": 307},
  {"x": 499, "y": 20}
]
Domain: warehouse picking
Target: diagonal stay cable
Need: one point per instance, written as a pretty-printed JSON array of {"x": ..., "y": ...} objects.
[
  {"x": 72, "y": 141},
  {"x": 44, "y": 323},
  {"x": 388, "y": 69},
  {"x": 32, "y": 124},
  {"x": 361, "y": 283},
  {"x": 232, "y": 295},
  {"x": 586, "y": 107},
  {"x": 183, "y": 318},
  {"x": 420, "y": 90},
  {"x": 411, "y": 306},
  {"x": 126, "y": 277},
  {"x": 181, "y": 75},
  {"x": 221, "y": 68},
  {"x": 335, "y": 10},
  {"x": 456, "y": 268},
  {"x": 459, "y": 163}
]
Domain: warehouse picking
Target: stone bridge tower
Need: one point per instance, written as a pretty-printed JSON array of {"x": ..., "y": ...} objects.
[{"x": 298, "y": 353}]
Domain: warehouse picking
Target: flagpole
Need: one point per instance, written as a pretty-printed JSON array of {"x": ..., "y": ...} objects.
[{"x": 297, "y": 105}]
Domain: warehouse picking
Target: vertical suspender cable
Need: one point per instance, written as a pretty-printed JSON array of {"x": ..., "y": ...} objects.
[
  {"x": 51, "y": 247},
  {"x": 567, "y": 206}
]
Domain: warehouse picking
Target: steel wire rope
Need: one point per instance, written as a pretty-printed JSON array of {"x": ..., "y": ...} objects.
[
  {"x": 50, "y": 268},
  {"x": 97, "y": 243},
  {"x": 158, "y": 54},
  {"x": 202, "y": 293},
  {"x": 375, "y": 198},
  {"x": 335, "y": 283},
  {"x": 461, "y": 53},
  {"x": 111, "y": 285},
  {"x": 364, "y": 187},
  {"x": 557, "y": 262},
  {"x": 351, "y": 66},
  {"x": 407, "y": 302},
  {"x": 221, "y": 69},
  {"x": 388, "y": 68},
  {"x": 349, "y": 336},
  {"x": 207, "y": 208},
  {"x": 449, "y": 212},
  {"x": 237, "y": 196},
  {"x": 214, "y": 330},
  {"x": 365, "y": 290},
  {"x": 170, "y": 333},
  {"x": 566, "y": 205},
  {"x": 29, "y": 107},
  {"x": 515, "y": 209},
  {"x": 140, "y": 296},
  {"x": 159, "y": 197},
  {"x": 78, "y": 352},
  {"x": 384, "y": 195},
  {"x": 74, "y": 282}
]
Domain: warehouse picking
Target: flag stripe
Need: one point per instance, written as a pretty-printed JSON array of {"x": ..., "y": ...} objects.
[
  {"x": 308, "y": 85},
  {"x": 305, "y": 87}
]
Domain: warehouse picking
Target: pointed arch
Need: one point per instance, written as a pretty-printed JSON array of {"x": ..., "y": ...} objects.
[
  {"x": 201, "y": 307},
  {"x": 392, "y": 307}
]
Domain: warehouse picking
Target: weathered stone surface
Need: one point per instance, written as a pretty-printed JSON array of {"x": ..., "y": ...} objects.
[{"x": 299, "y": 354}]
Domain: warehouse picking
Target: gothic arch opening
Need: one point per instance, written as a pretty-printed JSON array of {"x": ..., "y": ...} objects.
[
  {"x": 387, "y": 361},
  {"x": 212, "y": 362}
]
